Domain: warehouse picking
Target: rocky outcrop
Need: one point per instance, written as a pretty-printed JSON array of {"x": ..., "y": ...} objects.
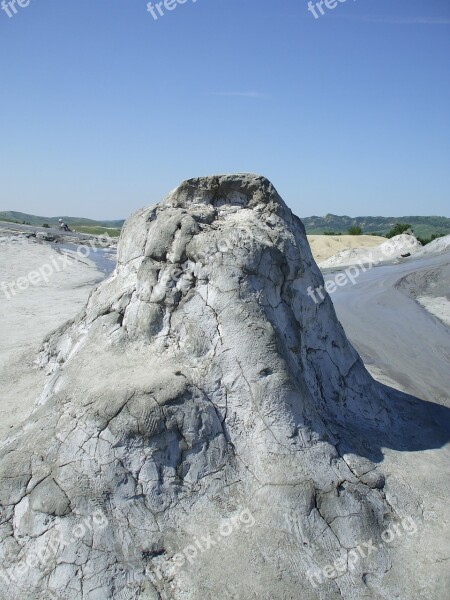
[{"x": 207, "y": 431}]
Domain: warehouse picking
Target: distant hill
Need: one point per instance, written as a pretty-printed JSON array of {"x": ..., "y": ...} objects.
[
  {"x": 422, "y": 226},
  {"x": 80, "y": 224}
]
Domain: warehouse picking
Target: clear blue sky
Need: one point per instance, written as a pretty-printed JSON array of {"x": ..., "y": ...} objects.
[{"x": 104, "y": 109}]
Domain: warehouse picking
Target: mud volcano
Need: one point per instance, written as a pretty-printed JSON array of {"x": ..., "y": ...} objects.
[{"x": 207, "y": 430}]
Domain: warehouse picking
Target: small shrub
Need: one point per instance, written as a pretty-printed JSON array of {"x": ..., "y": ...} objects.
[
  {"x": 398, "y": 230},
  {"x": 355, "y": 230},
  {"x": 434, "y": 236}
]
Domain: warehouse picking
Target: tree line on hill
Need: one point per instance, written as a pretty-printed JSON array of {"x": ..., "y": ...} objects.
[
  {"x": 398, "y": 229},
  {"x": 422, "y": 226}
]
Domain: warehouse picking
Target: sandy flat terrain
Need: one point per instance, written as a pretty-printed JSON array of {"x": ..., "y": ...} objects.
[
  {"x": 48, "y": 298},
  {"x": 324, "y": 246}
]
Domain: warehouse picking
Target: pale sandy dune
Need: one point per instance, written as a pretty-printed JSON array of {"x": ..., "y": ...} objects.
[
  {"x": 388, "y": 251},
  {"x": 324, "y": 246},
  {"x": 27, "y": 315}
]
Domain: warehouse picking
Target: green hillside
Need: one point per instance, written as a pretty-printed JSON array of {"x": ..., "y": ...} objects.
[
  {"x": 80, "y": 224},
  {"x": 422, "y": 226}
]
